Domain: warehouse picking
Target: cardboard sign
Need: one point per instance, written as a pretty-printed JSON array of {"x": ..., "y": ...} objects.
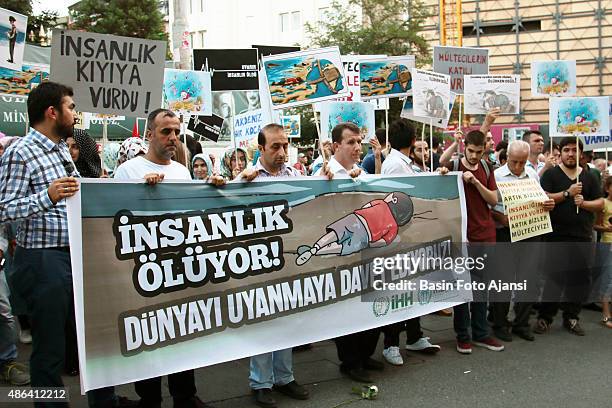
[
  {"x": 359, "y": 113},
  {"x": 523, "y": 204},
  {"x": 306, "y": 77},
  {"x": 108, "y": 73},
  {"x": 431, "y": 94},
  {"x": 553, "y": 78},
  {"x": 485, "y": 92},
  {"x": 187, "y": 92},
  {"x": 207, "y": 126},
  {"x": 408, "y": 113},
  {"x": 22, "y": 82},
  {"x": 460, "y": 61},
  {"x": 291, "y": 124},
  {"x": 586, "y": 116},
  {"x": 247, "y": 127},
  {"x": 274, "y": 49},
  {"x": 13, "y": 28},
  {"x": 232, "y": 69},
  {"x": 387, "y": 77}
]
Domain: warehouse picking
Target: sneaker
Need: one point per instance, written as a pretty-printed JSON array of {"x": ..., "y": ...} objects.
[
  {"x": 25, "y": 337},
  {"x": 464, "y": 347},
  {"x": 393, "y": 356},
  {"x": 490, "y": 344},
  {"x": 573, "y": 327},
  {"x": 424, "y": 346},
  {"x": 15, "y": 373},
  {"x": 542, "y": 326}
]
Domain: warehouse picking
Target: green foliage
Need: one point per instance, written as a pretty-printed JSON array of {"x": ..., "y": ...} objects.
[
  {"x": 19, "y": 6},
  {"x": 129, "y": 18},
  {"x": 47, "y": 19},
  {"x": 390, "y": 27}
]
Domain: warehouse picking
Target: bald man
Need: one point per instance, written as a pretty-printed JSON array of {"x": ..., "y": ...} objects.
[{"x": 514, "y": 169}]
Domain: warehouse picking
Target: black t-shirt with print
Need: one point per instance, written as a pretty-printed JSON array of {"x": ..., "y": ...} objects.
[{"x": 565, "y": 221}]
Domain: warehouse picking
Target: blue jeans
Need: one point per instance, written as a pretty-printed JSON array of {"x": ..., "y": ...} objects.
[
  {"x": 478, "y": 321},
  {"x": 270, "y": 369},
  {"x": 8, "y": 329}
]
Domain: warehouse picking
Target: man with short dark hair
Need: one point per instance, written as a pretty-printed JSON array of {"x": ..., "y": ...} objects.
[
  {"x": 480, "y": 193},
  {"x": 346, "y": 146},
  {"x": 536, "y": 147},
  {"x": 401, "y": 138},
  {"x": 36, "y": 176},
  {"x": 568, "y": 256},
  {"x": 163, "y": 130},
  {"x": 273, "y": 369}
]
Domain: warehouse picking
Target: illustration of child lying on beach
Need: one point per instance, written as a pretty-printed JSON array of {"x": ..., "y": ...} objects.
[{"x": 374, "y": 225}]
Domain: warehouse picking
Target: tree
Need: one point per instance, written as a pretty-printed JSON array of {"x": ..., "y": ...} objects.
[
  {"x": 390, "y": 27},
  {"x": 129, "y": 18},
  {"x": 18, "y": 6},
  {"x": 46, "y": 19}
]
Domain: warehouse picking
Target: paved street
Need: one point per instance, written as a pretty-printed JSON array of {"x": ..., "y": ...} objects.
[{"x": 557, "y": 370}]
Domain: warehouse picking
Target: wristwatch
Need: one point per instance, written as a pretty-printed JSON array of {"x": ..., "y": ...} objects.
[{"x": 566, "y": 194}]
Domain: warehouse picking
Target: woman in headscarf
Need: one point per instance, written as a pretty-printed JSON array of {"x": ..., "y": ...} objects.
[
  {"x": 230, "y": 167},
  {"x": 109, "y": 157},
  {"x": 84, "y": 152},
  {"x": 202, "y": 167},
  {"x": 130, "y": 148}
]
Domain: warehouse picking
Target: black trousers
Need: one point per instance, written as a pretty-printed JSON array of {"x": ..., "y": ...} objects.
[
  {"x": 568, "y": 277},
  {"x": 354, "y": 349},
  {"x": 181, "y": 385},
  {"x": 412, "y": 328}
]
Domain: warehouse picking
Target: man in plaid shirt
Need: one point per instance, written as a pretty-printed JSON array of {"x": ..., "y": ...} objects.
[{"x": 36, "y": 176}]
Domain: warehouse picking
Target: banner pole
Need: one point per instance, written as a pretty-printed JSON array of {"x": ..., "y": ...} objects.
[
  {"x": 430, "y": 145},
  {"x": 314, "y": 113},
  {"x": 578, "y": 155},
  {"x": 104, "y": 131},
  {"x": 387, "y": 129},
  {"x": 460, "y": 118}
]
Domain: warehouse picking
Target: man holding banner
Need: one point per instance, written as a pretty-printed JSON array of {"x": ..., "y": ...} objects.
[
  {"x": 163, "y": 130},
  {"x": 273, "y": 369}
]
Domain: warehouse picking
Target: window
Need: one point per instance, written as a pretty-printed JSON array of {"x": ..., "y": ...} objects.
[
  {"x": 284, "y": 22},
  {"x": 296, "y": 23},
  {"x": 501, "y": 28}
]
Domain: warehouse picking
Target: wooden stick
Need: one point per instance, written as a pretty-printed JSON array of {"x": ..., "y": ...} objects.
[
  {"x": 314, "y": 112},
  {"x": 460, "y": 119},
  {"x": 431, "y": 145},
  {"x": 578, "y": 154},
  {"x": 387, "y": 129}
]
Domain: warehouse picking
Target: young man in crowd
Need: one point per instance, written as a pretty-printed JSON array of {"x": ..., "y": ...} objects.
[
  {"x": 536, "y": 147},
  {"x": 577, "y": 197},
  {"x": 318, "y": 162},
  {"x": 402, "y": 140},
  {"x": 523, "y": 266},
  {"x": 275, "y": 369},
  {"x": 300, "y": 165},
  {"x": 163, "y": 130},
  {"x": 36, "y": 176},
  {"x": 480, "y": 193}
]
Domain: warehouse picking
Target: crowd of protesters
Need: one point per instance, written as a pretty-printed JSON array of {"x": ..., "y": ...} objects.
[{"x": 39, "y": 171}]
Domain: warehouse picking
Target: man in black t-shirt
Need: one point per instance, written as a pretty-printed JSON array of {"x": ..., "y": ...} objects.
[{"x": 568, "y": 260}]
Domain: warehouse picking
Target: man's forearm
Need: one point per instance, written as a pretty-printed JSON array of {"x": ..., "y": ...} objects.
[{"x": 593, "y": 206}]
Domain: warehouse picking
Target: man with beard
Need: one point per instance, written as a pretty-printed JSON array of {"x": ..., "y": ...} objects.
[
  {"x": 419, "y": 154},
  {"x": 568, "y": 262},
  {"x": 163, "y": 130},
  {"x": 275, "y": 369},
  {"x": 36, "y": 176}
]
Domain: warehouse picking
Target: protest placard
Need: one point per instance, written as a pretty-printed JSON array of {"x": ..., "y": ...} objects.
[
  {"x": 231, "y": 69},
  {"x": 386, "y": 77},
  {"x": 108, "y": 73},
  {"x": 431, "y": 94},
  {"x": 359, "y": 113},
  {"x": 408, "y": 113},
  {"x": 584, "y": 116},
  {"x": 187, "y": 92},
  {"x": 523, "y": 205},
  {"x": 458, "y": 62},
  {"x": 212, "y": 275},
  {"x": 265, "y": 50},
  {"x": 21, "y": 82},
  {"x": 305, "y": 77},
  {"x": 351, "y": 71},
  {"x": 207, "y": 126},
  {"x": 291, "y": 124},
  {"x": 485, "y": 92},
  {"x": 13, "y": 28},
  {"x": 247, "y": 126},
  {"x": 553, "y": 78}
]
